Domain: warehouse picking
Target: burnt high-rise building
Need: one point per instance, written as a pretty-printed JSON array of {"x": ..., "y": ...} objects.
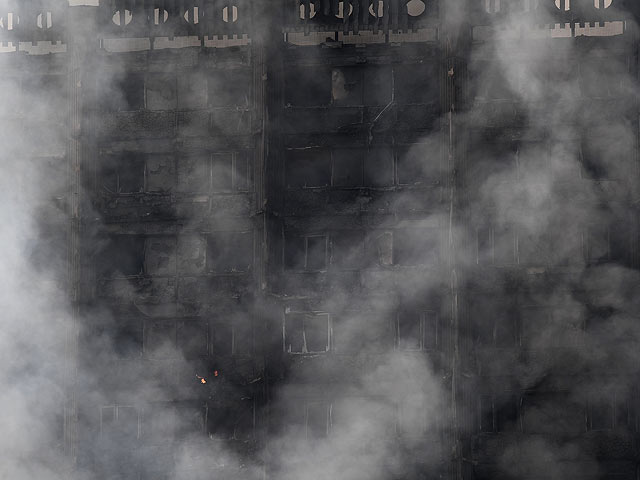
[{"x": 280, "y": 239}]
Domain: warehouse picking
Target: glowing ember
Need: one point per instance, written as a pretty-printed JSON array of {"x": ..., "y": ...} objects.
[
  {"x": 202, "y": 379},
  {"x": 215, "y": 373}
]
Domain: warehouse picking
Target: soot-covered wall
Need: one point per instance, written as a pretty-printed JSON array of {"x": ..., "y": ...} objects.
[{"x": 320, "y": 239}]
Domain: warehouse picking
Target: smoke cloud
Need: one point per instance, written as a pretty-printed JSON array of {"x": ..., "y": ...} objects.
[{"x": 375, "y": 301}]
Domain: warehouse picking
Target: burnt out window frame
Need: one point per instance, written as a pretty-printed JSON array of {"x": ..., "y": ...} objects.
[
  {"x": 491, "y": 258},
  {"x": 590, "y": 162},
  {"x": 304, "y": 72},
  {"x": 364, "y": 76},
  {"x": 548, "y": 256},
  {"x": 174, "y": 408},
  {"x": 325, "y": 154},
  {"x": 364, "y": 152},
  {"x": 355, "y": 250},
  {"x": 288, "y": 245},
  {"x": 494, "y": 399},
  {"x": 532, "y": 400},
  {"x": 229, "y": 75},
  {"x": 142, "y": 238},
  {"x": 147, "y": 351},
  {"x": 374, "y": 247},
  {"x": 327, "y": 407},
  {"x": 120, "y": 158},
  {"x": 129, "y": 78},
  {"x": 229, "y": 411},
  {"x": 424, "y": 427},
  {"x": 172, "y": 76},
  {"x": 177, "y": 344},
  {"x": 621, "y": 415},
  {"x": 424, "y": 314},
  {"x": 403, "y": 148},
  {"x": 212, "y": 270},
  {"x": 361, "y": 152},
  {"x": 116, "y": 413},
  {"x": 306, "y": 313},
  {"x": 402, "y": 248},
  {"x": 555, "y": 313},
  {"x": 238, "y": 158}
]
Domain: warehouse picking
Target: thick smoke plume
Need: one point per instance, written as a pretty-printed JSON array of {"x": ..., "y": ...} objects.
[{"x": 525, "y": 282}]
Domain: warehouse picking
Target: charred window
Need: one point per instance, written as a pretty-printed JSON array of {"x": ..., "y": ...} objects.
[
  {"x": 230, "y": 172},
  {"x": 164, "y": 421},
  {"x": 494, "y": 323},
  {"x": 235, "y": 422},
  {"x": 230, "y": 88},
  {"x": 552, "y": 413},
  {"x": 233, "y": 337},
  {"x": 222, "y": 172},
  {"x": 317, "y": 419},
  {"x": 123, "y": 173},
  {"x": 361, "y": 86},
  {"x": 123, "y": 256},
  {"x": 125, "y": 337},
  {"x": 491, "y": 82},
  {"x": 160, "y": 338},
  {"x": 347, "y": 168},
  {"x": 159, "y": 422},
  {"x": 417, "y": 84},
  {"x": 308, "y": 168},
  {"x": 419, "y": 164},
  {"x": 306, "y": 333},
  {"x": 10, "y": 96},
  {"x": 229, "y": 252},
  {"x": 598, "y": 244},
  {"x": 496, "y": 245},
  {"x": 606, "y": 152},
  {"x": 308, "y": 86},
  {"x": 551, "y": 248},
  {"x": 378, "y": 167},
  {"x": 38, "y": 88},
  {"x": 412, "y": 415},
  {"x": 498, "y": 413},
  {"x": 242, "y": 336},
  {"x": 533, "y": 160},
  {"x": 347, "y": 249},
  {"x": 192, "y": 91},
  {"x": 416, "y": 246},
  {"x": 119, "y": 422},
  {"x": 189, "y": 419},
  {"x": 603, "y": 77},
  {"x": 492, "y": 161},
  {"x": 306, "y": 253},
  {"x": 379, "y": 248},
  {"x": 222, "y": 339},
  {"x": 346, "y": 86},
  {"x": 215, "y": 173},
  {"x": 161, "y": 92},
  {"x": 192, "y": 338},
  {"x": 416, "y": 329},
  {"x": 126, "y": 93},
  {"x": 194, "y": 174},
  {"x": 547, "y": 327},
  {"x": 609, "y": 411}
]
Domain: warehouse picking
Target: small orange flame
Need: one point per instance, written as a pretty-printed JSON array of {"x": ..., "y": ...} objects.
[
  {"x": 202, "y": 379},
  {"x": 215, "y": 373}
]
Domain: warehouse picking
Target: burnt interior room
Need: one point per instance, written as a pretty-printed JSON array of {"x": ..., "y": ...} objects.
[{"x": 324, "y": 239}]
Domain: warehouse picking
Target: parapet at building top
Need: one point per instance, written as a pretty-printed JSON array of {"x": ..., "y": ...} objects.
[{"x": 156, "y": 24}]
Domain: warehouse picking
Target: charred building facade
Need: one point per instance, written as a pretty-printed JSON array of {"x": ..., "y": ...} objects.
[{"x": 391, "y": 239}]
